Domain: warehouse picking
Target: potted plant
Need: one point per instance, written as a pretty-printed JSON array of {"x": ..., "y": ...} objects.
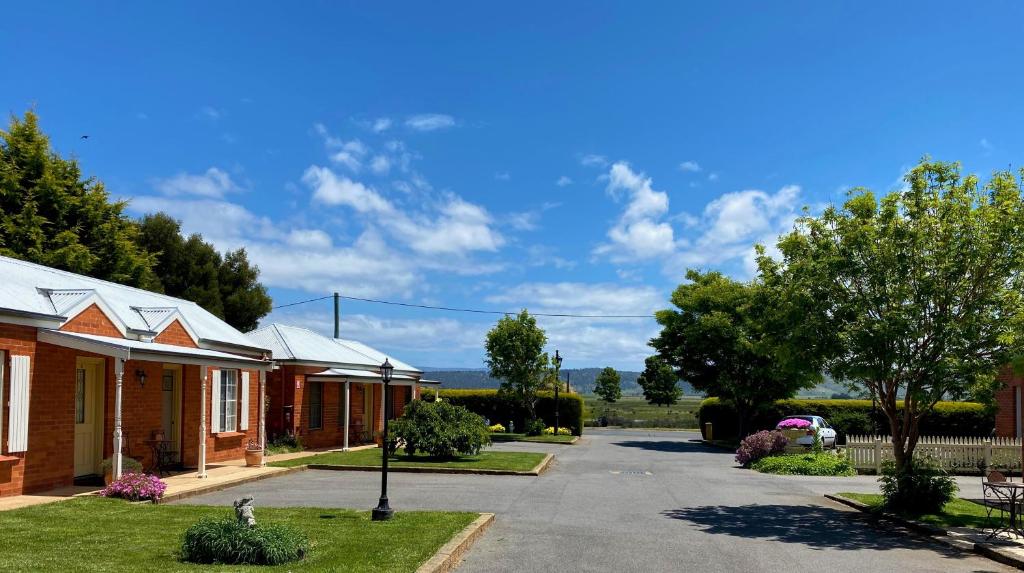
[
  {"x": 128, "y": 466},
  {"x": 253, "y": 455}
]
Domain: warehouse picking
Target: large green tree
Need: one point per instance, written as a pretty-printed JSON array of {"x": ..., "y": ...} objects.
[
  {"x": 734, "y": 340},
  {"x": 515, "y": 355},
  {"x": 659, "y": 382},
  {"x": 192, "y": 269},
  {"x": 50, "y": 214},
  {"x": 608, "y": 385},
  {"x": 921, "y": 290}
]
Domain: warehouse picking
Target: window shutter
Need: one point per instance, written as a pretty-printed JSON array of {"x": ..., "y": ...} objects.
[
  {"x": 3, "y": 363},
  {"x": 243, "y": 422},
  {"x": 17, "y": 430},
  {"x": 216, "y": 417}
]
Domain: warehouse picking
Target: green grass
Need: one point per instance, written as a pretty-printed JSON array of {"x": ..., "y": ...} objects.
[
  {"x": 635, "y": 412},
  {"x": 93, "y": 534},
  {"x": 513, "y": 461},
  {"x": 809, "y": 464},
  {"x": 283, "y": 449},
  {"x": 957, "y": 513},
  {"x": 542, "y": 439}
]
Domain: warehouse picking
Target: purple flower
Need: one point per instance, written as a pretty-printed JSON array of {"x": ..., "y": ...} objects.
[
  {"x": 793, "y": 424},
  {"x": 759, "y": 445},
  {"x": 136, "y": 487}
]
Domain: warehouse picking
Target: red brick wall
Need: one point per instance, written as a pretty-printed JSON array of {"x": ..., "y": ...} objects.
[
  {"x": 1006, "y": 417},
  {"x": 92, "y": 321},
  {"x": 20, "y": 341},
  {"x": 175, "y": 334},
  {"x": 219, "y": 447}
]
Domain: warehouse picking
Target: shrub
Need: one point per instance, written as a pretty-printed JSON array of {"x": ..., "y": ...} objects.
[
  {"x": 128, "y": 465},
  {"x": 441, "y": 429},
  {"x": 947, "y": 419},
  {"x": 851, "y": 423},
  {"x": 820, "y": 464},
  {"x": 550, "y": 431},
  {"x": 922, "y": 487},
  {"x": 285, "y": 442},
  {"x": 534, "y": 428},
  {"x": 759, "y": 445},
  {"x": 230, "y": 542},
  {"x": 496, "y": 428},
  {"x": 493, "y": 406},
  {"x": 136, "y": 487}
]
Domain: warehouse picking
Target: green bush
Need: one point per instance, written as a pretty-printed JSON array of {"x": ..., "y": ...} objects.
[
  {"x": 947, "y": 419},
  {"x": 922, "y": 487},
  {"x": 229, "y": 542},
  {"x": 822, "y": 464},
  {"x": 441, "y": 429},
  {"x": 534, "y": 427},
  {"x": 851, "y": 423},
  {"x": 128, "y": 465},
  {"x": 501, "y": 409}
]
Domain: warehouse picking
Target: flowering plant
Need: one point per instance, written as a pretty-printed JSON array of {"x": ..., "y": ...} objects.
[
  {"x": 793, "y": 424},
  {"x": 496, "y": 428},
  {"x": 562, "y": 431},
  {"x": 760, "y": 445},
  {"x": 136, "y": 487}
]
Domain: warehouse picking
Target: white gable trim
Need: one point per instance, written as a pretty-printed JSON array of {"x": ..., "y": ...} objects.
[
  {"x": 96, "y": 299},
  {"x": 169, "y": 320}
]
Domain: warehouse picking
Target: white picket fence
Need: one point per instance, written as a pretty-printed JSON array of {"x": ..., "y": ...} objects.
[{"x": 956, "y": 454}]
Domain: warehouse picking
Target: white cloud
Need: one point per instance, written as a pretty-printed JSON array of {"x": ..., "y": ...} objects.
[
  {"x": 430, "y": 121},
  {"x": 381, "y": 124},
  {"x": 309, "y": 238},
  {"x": 331, "y": 189},
  {"x": 639, "y": 232},
  {"x": 712, "y": 177},
  {"x": 210, "y": 112},
  {"x": 563, "y": 181},
  {"x": 380, "y": 165},
  {"x": 502, "y": 176},
  {"x": 594, "y": 160},
  {"x": 214, "y": 183},
  {"x": 690, "y": 166},
  {"x": 985, "y": 144},
  {"x": 460, "y": 227}
]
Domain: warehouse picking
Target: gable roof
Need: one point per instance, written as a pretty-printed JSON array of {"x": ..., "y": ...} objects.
[
  {"x": 28, "y": 289},
  {"x": 297, "y": 344}
]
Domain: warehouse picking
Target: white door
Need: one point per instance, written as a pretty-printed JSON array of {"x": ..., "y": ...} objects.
[
  {"x": 170, "y": 409},
  {"x": 88, "y": 425}
]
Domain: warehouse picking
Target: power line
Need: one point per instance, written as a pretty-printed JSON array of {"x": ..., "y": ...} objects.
[{"x": 470, "y": 310}]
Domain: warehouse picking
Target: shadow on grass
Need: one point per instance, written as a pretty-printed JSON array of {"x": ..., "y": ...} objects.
[
  {"x": 815, "y": 527},
  {"x": 671, "y": 446}
]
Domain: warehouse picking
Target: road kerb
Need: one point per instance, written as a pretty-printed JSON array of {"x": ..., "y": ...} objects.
[{"x": 450, "y": 554}]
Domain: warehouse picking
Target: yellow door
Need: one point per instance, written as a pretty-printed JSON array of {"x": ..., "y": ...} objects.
[{"x": 88, "y": 421}]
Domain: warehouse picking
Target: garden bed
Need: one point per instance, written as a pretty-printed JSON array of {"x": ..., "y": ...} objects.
[
  {"x": 99, "y": 535},
  {"x": 542, "y": 439},
  {"x": 497, "y": 461},
  {"x": 808, "y": 464},
  {"x": 957, "y": 513}
]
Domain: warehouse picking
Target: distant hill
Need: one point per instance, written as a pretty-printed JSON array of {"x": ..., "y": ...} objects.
[{"x": 583, "y": 379}]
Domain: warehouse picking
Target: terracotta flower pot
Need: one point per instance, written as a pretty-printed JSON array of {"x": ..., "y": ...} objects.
[
  {"x": 108, "y": 476},
  {"x": 253, "y": 458}
]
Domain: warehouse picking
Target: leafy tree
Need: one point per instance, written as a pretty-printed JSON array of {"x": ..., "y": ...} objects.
[
  {"x": 733, "y": 340},
  {"x": 608, "y": 385},
  {"x": 51, "y": 215},
  {"x": 659, "y": 382},
  {"x": 921, "y": 290},
  {"x": 515, "y": 355},
  {"x": 192, "y": 269}
]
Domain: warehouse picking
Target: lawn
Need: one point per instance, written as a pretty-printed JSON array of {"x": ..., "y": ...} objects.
[
  {"x": 543, "y": 439},
  {"x": 635, "y": 412},
  {"x": 98, "y": 534},
  {"x": 957, "y": 513},
  {"x": 510, "y": 461}
]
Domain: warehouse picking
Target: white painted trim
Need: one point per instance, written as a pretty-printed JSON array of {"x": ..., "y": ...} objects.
[
  {"x": 96, "y": 299},
  {"x": 27, "y": 321},
  {"x": 118, "y": 435},
  {"x": 21, "y": 383},
  {"x": 215, "y": 400},
  {"x": 243, "y": 420},
  {"x": 348, "y": 408},
  {"x": 3, "y": 366},
  {"x": 201, "y": 469},
  {"x": 69, "y": 340},
  {"x": 262, "y": 435},
  {"x": 169, "y": 319}
]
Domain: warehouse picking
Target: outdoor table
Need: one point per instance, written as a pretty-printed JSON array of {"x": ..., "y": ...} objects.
[
  {"x": 161, "y": 455},
  {"x": 1014, "y": 494}
]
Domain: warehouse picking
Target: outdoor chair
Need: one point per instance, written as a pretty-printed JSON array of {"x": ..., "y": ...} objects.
[{"x": 995, "y": 499}]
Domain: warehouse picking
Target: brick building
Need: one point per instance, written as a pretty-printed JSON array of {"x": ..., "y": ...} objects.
[
  {"x": 92, "y": 370},
  {"x": 1008, "y": 401},
  {"x": 328, "y": 391}
]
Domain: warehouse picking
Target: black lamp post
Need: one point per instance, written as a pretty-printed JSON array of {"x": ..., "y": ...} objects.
[
  {"x": 558, "y": 382},
  {"x": 383, "y": 511}
]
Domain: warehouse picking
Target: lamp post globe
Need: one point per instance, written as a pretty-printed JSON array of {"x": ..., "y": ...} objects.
[{"x": 383, "y": 511}]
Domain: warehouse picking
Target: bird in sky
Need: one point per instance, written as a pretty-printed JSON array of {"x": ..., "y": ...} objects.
[{"x": 85, "y": 137}]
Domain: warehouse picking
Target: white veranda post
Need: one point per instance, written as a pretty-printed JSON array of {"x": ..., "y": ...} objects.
[
  {"x": 201, "y": 470},
  {"x": 348, "y": 395},
  {"x": 118, "y": 464},
  {"x": 263, "y": 417}
]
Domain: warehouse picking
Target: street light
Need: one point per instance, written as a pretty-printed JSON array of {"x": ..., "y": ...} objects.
[
  {"x": 558, "y": 382},
  {"x": 383, "y": 511}
]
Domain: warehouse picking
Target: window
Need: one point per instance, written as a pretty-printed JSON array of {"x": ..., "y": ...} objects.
[
  {"x": 342, "y": 405},
  {"x": 316, "y": 405},
  {"x": 228, "y": 400},
  {"x": 80, "y": 396}
]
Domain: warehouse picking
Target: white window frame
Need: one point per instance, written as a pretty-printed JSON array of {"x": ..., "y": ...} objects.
[
  {"x": 3, "y": 403},
  {"x": 227, "y": 388}
]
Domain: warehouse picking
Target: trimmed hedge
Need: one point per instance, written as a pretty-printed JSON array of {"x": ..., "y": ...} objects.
[
  {"x": 849, "y": 417},
  {"x": 498, "y": 409}
]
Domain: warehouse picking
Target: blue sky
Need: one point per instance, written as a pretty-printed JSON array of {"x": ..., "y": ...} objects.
[{"x": 575, "y": 157}]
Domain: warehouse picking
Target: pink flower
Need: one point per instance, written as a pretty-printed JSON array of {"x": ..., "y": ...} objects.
[
  {"x": 136, "y": 487},
  {"x": 793, "y": 423}
]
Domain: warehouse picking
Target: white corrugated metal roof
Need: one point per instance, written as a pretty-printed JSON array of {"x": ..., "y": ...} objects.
[
  {"x": 360, "y": 374},
  {"x": 135, "y": 347},
  {"x": 31, "y": 288},
  {"x": 304, "y": 345}
]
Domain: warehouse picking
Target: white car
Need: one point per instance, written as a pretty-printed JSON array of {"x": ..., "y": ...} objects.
[{"x": 805, "y": 436}]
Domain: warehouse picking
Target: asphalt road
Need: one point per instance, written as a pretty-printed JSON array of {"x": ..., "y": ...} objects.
[{"x": 626, "y": 500}]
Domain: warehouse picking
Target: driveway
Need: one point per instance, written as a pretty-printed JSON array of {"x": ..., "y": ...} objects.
[{"x": 624, "y": 500}]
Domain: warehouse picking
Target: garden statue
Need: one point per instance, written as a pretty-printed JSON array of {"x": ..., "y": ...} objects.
[{"x": 244, "y": 511}]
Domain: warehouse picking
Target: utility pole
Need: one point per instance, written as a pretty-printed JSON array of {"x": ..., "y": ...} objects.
[
  {"x": 558, "y": 384},
  {"x": 337, "y": 316}
]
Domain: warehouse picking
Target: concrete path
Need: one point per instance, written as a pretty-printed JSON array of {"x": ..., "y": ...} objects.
[{"x": 638, "y": 501}]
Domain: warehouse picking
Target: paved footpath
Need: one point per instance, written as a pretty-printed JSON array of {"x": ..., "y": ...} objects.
[{"x": 625, "y": 500}]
